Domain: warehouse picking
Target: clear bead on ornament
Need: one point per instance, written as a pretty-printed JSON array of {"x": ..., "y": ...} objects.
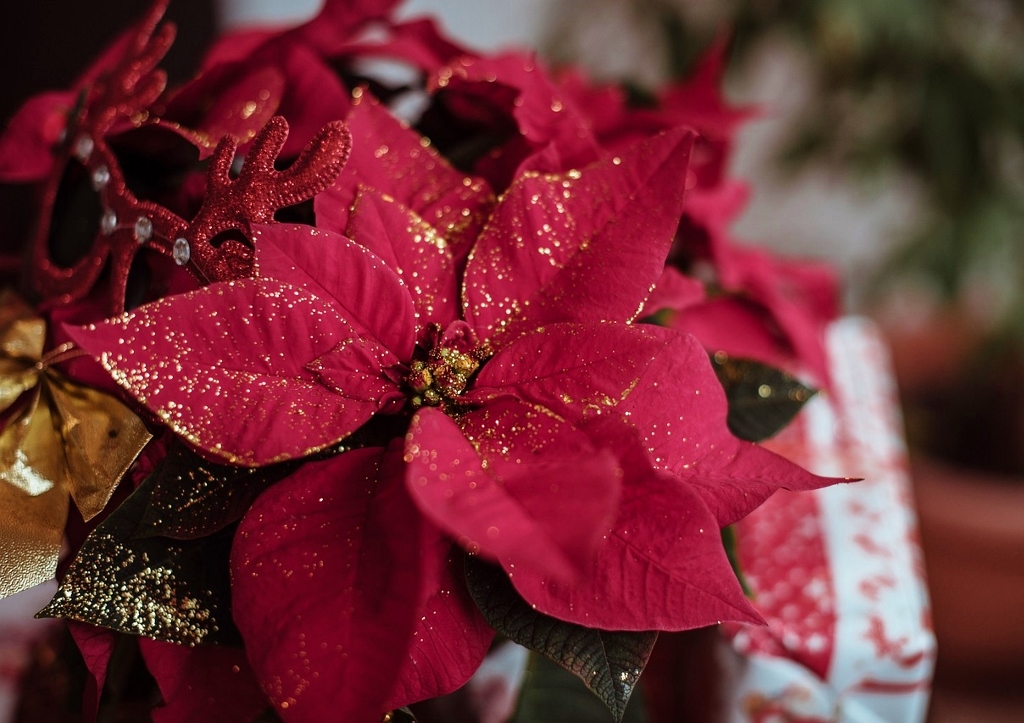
[
  {"x": 143, "y": 229},
  {"x": 108, "y": 222},
  {"x": 83, "y": 148},
  {"x": 181, "y": 252},
  {"x": 100, "y": 178}
]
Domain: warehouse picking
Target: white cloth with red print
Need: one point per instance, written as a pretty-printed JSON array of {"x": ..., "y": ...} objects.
[{"x": 837, "y": 573}]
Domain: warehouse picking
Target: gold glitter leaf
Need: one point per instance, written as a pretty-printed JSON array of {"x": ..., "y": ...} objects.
[
  {"x": 176, "y": 591},
  {"x": 193, "y": 497},
  {"x": 14, "y": 381}
]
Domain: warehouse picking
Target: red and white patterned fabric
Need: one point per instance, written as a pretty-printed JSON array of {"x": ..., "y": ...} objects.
[{"x": 837, "y": 573}]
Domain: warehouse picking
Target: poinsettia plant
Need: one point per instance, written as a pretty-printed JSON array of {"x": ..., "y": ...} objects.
[{"x": 412, "y": 383}]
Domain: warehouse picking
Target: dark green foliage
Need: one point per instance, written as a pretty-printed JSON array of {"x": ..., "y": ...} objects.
[
  {"x": 762, "y": 399},
  {"x": 608, "y": 663}
]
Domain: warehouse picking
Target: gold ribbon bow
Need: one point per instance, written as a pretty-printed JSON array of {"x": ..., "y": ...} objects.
[{"x": 62, "y": 440}]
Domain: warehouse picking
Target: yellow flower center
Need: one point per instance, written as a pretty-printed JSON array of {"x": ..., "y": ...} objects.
[{"x": 441, "y": 378}]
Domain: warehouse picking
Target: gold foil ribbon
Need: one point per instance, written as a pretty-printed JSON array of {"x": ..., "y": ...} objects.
[{"x": 62, "y": 440}]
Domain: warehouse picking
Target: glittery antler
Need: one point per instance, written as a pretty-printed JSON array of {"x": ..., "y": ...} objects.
[
  {"x": 255, "y": 195},
  {"x": 134, "y": 82},
  {"x": 126, "y": 87}
]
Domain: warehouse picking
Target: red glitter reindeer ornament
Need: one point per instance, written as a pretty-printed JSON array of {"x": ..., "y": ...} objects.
[
  {"x": 83, "y": 224},
  {"x": 90, "y": 218}
]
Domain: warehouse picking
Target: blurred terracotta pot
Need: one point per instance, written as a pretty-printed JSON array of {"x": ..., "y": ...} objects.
[
  {"x": 972, "y": 534},
  {"x": 966, "y": 408}
]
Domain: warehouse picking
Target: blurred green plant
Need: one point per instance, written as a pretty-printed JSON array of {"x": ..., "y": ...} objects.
[{"x": 934, "y": 88}]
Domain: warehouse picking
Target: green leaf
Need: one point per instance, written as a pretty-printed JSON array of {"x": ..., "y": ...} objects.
[
  {"x": 551, "y": 694},
  {"x": 730, "y": 543},
  {"x": 172, "y": 590},
  {"x": 191, "y": 497},
  {"x": 762, "y": 399},
  {"x": 609, "y": 663}
]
